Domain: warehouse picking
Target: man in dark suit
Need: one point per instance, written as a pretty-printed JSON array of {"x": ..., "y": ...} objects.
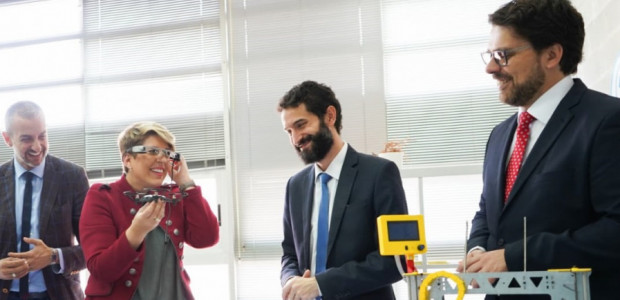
[
  {"x": 361, "y": 188},
  {"x": 48, "y": 262},
  {"x": 568, "y": 181}
]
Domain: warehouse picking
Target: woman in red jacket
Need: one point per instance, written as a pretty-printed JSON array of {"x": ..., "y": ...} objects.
[{"x": 133, "y": 230}]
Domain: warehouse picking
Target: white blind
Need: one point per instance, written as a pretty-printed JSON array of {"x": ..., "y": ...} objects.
[
  {"x": 439, "y": 99},
  {"x": 39, "y": 20},
  {"x": 41, "y": 60},
  {"x": 155, "y": 60},
  {"x": 106, "y": 64},
  {"x": 277, "y": 44},
  {"x": 443, "y": 105}
]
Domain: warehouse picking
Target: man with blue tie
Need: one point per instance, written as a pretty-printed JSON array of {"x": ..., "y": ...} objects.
[
  {"x": 41, "y": 200},
  {"x": 555, "y": 162},
  {"x": 330, "y": 247}
]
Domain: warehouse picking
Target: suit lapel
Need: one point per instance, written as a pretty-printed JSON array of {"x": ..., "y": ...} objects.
[
  {"x": 560, "y": 118},
  {"x": 307, "y": 213},
  {"x": 48, "y": 195},
  {"x": 343, "y": 192},
  {"x": 7, "y": 204}
]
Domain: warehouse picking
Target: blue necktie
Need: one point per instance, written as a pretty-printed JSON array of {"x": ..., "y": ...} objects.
[
  {"x": 323, "y": 225},
  {"x": 23, "y": 282}
]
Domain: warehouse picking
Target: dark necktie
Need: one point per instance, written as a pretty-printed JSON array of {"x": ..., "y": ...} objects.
[
  {"x": 516, "y": 159},
  {"x": 322, "y": 225},
  {"x": 23, "y": 282}
]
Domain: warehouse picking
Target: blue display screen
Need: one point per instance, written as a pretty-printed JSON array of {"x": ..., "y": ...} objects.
[{"x": 403, "y": 231}]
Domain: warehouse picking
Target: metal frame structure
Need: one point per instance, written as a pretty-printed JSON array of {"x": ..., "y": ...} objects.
[{"x": 561, "y": 284}]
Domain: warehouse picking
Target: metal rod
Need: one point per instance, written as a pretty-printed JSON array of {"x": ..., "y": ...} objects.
[
  {"x": 421, "y": 197},
  {"x": 465, "y": 260},
  {"x": 524, "y": 244}
]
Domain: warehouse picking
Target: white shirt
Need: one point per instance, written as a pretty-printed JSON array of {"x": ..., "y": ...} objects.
[
  {"x": 334, "y": 171},
  {"x": 542, "y": 109}
]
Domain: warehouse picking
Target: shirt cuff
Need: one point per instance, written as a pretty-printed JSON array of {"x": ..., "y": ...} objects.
[
  {"x": 476, "y": 248},
  {"x": 58, "y": 269}
]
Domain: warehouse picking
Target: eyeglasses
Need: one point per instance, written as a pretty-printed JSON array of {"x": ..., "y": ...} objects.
[
  {"x": 501, "y": 56},
  {"x": 154, "y": 151}
]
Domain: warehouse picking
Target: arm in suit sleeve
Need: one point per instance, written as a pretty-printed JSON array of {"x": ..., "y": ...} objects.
[
  {"x": 594, "y": 243},
  {"x": 290, "y": 265},
  {"x": 73, "y": 256},
  {"x": 369, "y": 271},
  {"x": 479, "y": 234},
  {"x": 480, "y": 231}
]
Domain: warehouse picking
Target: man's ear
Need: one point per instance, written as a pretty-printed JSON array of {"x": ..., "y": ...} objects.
[
  {"x": 330, "y": 115},
  {"x": 552, "y": 56},
  {"x": 7, "y": 138}
]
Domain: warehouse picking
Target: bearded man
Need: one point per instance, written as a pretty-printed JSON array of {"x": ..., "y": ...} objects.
[
  {"x": 555, "y": 162},
  {"x": 330, "y": 247}
]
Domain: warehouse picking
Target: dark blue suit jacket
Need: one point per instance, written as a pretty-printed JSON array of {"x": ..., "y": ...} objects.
[
  {"x": 368, "y": 187},
  {"x": 568, "y": 188},
  {"x": 64, "y": 188}
]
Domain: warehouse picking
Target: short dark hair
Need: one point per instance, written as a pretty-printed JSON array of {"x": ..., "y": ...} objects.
[
  {"x": 544, "y": 23},
  {"x": 316, "y": 96},
  {"x": 25, "y": 109}
]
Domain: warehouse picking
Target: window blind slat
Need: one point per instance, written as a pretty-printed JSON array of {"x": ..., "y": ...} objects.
[
  {"x": 443, "y": 105},
  {"x": 277, "y": 44},
  {"x": 158, "y": 61}
]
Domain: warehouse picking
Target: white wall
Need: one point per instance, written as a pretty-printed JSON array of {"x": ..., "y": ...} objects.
[{"x": 602, "y": 44}]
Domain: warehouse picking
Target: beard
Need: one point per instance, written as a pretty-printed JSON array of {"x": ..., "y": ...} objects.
[
  {"x": 320, "y": 144},
  {"x": 523, "y": 94}
]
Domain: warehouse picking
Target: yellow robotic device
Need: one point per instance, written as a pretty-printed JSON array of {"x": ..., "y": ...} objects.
[
  {"x": 405, "y": 235},
  {"x": 401, "y": 234}
]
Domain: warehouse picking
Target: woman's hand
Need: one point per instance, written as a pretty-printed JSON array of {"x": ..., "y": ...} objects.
[
  {"x": 180, "y": 172},
  {"x": 145, "y": 220}
]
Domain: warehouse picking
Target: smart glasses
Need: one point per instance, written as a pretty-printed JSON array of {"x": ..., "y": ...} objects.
[
  {"x": 501, "y": 56},
  {"x": 155, "y": 151}
]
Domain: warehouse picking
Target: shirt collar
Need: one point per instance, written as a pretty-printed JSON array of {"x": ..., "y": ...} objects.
[
  {"x": 335, "y": 166},
  {"x": 20, "y": 170},
  {"x": 543, "y": 108}
]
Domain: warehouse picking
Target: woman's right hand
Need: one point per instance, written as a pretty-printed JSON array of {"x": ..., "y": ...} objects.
[{"x": 146, "y": 219}]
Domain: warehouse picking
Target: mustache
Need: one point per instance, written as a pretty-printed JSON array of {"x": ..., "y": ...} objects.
[
  {"x": 303, "y": 141},
  {"x": 500, "y": 76}
]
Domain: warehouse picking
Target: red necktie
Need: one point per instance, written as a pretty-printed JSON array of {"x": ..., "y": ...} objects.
[{"x": 514, "y": 165}]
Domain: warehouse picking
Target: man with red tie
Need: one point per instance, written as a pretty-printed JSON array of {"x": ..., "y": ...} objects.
[{"x": 556, "y": 162}]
